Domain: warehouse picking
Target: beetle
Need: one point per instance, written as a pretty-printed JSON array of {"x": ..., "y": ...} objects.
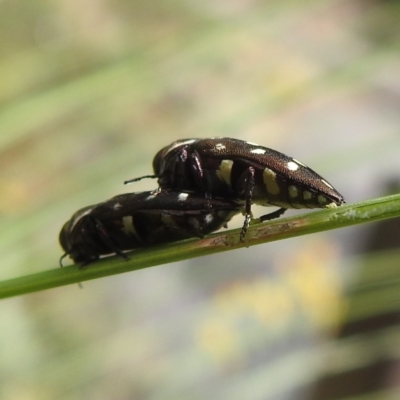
[
  {"x": 244, "y": 172},
  {"x": 137, "y": 220}
]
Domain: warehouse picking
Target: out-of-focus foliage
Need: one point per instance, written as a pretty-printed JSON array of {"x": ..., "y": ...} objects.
[{"x": 90, "y": 90}]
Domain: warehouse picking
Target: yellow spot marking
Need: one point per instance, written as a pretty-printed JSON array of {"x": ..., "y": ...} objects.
[
  {"x": 269, "y": 178},
  {"x": 322, "y": 200},
  {"x": 224, "y": 171},
  {"x": 307, "y": 195},
  {"x": 128, "y": 225},
  {"x": 293, "y": 191}
]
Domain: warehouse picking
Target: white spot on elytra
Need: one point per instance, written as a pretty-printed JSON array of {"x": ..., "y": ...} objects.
[
  {"x": 117, "y": 206},
  {"x": 183, "y": 196},
  {"x": 292, "y": 166},
  {"x": 220, "y": 146},
  {"x": 209, "y": 218},
  {"x": 299, "y": 162},
  {"x": 153, "y": 194},
  {"x": 258, "y": 151}
]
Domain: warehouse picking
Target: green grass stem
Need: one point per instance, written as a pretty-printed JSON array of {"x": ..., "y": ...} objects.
[{"x": 258, "y": 233}]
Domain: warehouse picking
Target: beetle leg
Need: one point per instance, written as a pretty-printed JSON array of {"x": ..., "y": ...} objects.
[
  {"x": 198, "y": 175},
  {"x": 61, "y": 258},
  {"x": 106, "y": 238},
  {"x": 245, "y": 226},
  {"x": 197, "y": 170},
  {"x": 249, "y": 187},
  {"x": 273, "y": 215}
]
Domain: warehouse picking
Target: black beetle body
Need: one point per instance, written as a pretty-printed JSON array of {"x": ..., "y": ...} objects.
[
  {"x": 137, "y": 220},
  {"x": 244, "y": 172}
]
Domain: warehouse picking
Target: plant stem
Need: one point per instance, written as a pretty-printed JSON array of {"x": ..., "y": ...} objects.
[{"x": 368, "y": 211}]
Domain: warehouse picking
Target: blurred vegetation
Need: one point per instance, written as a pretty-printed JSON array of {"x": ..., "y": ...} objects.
[{"x": 91, "y": 89}]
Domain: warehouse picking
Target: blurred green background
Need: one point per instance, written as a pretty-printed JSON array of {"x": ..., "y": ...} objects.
[{"x": 90, "y": 90}]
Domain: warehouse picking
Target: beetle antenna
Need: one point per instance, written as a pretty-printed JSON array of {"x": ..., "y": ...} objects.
[{"x": 139, "y": 179}]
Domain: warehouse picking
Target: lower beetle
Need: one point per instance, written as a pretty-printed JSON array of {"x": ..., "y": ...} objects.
[
  {"x": 136, "y": 220},
  {"x": 244, "y": 172}
]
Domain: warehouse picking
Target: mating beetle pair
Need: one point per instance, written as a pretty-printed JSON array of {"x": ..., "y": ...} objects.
[{"x": 202, "y": 184}]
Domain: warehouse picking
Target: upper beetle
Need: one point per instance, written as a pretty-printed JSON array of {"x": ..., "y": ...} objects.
[
  {"x": 244, "y": 172},
  {"x": 136, "y": 220}
]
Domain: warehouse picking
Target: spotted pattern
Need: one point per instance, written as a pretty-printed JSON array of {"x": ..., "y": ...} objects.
[
  {"x": 220, "y": 146},
  {"x": 153, "y": 195},
  {"x": 292, "y": 166},
  {"x": 127, "y": 220},
  {"x": 258, "y": 151},
  {"x": 322, "y": 200},
  {"x": 208, "y": 218},
  {"x": 183, "y": 196},
  {"x": 270, "y": 182},
  {"x": 277, "y": 179},
  {"x": 224, "y": 171},
  {"x": 117, "y": 206},
  {"x": 293, "y": 191}
]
